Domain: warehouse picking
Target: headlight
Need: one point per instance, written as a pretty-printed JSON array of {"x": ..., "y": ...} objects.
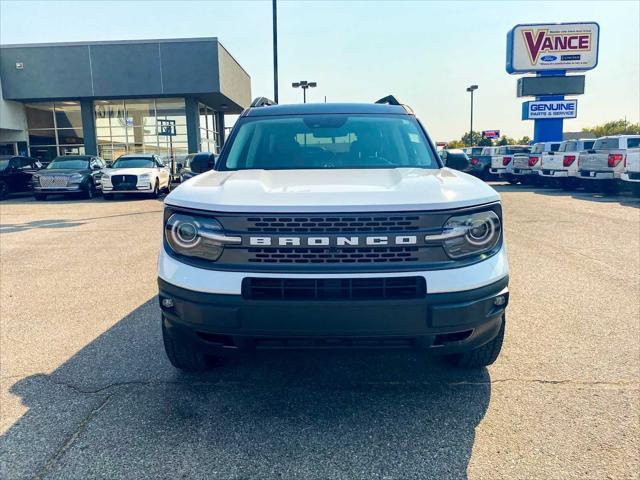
[
  {"x": 105, "y": 176},
  {"x": 145, "y": 176},
  {"x": 75, "y": 178},
  {"x": 197, "y": 237},
  {"x": 471, "y": 234}
]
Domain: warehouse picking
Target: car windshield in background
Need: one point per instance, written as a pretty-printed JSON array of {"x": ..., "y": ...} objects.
[
  {"x": 328, "y": 141},
  {"x": 567, "y": 147},
  {"x": 477, "y": 151},
  {"x": 4, "y": 163},
  {"x": 487, "y": 151},
  {"x": 133, "y": 162},
  {"x": 69, "y": 163}
]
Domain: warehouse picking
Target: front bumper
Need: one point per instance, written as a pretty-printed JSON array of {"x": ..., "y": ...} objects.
[
  {"x": 69, "y": 189},
  {"x": 443, "y": 323},
  {"x": 146, "y": 188}
]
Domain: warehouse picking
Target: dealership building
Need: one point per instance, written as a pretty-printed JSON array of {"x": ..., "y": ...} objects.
[{"x": 109, "y": 98}]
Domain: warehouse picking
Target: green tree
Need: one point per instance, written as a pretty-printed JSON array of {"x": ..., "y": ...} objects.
[
  {"x": 524, "y": 141},
  {"x": 504, "y": 140},
  {"x": 473, "y": 139},
  {"x": 455, "y": 144},
  {"x": 615, "y": 127},
  {"x": 485, "y": 142}
]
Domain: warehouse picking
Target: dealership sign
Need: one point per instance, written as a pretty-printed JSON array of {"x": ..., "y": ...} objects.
[
  {"x": 535, "y": 110},
  {"x": 552, "y": 46},
  {"x": 491, "y": 134}
]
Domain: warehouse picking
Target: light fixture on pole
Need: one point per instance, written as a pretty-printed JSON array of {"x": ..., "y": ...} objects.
[
  {"x": 470, "y": 89},
  {"x": 303, "y": 84}
]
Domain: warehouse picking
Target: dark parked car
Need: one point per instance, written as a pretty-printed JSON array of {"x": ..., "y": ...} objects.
[
  {"x": 195, "y": 164},
  {"x": 70, "y": 174},
  {"x": 481, "y": 162},
  {"x": 15, "y": 174},
  {"x": 456, "y": 159}
]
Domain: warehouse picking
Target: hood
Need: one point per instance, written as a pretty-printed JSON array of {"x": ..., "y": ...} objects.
[
  {"x": 62, "y": 171},
  {"x": 127, "y": 171},
  {"x": 337, "y": 190}
]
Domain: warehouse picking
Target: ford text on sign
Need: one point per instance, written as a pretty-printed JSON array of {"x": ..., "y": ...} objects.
[
  {"x": 550, "y": 109},
  {"x": 554, "y": 46}
]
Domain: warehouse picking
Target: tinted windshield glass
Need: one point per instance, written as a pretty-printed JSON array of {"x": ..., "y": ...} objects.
[
  {"x": 328, "y": 141},
  {"x": 133, "y": 162},
  {"x": 477, "y": 151},
  {"x": 69, "y": 163},
  {"x": 4, "y": 163}
]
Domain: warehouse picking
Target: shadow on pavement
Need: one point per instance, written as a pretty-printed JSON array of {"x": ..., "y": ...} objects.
[{"x": 117, "y": 409}]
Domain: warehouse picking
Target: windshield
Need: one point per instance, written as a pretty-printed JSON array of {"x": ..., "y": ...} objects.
[
  {"x": 328, "y": 141},
  {"x": 4, "y": 163},
  {"x": 69, "y": 163},
  {"x": 134, "y": 162}
]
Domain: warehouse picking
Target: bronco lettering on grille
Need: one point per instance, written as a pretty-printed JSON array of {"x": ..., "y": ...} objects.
[{"x": 334, "y": 241}]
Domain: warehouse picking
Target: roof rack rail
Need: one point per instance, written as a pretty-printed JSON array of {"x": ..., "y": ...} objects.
[
  {"x": 390, "y": 100},
  {"x": 262, "y": 102}
]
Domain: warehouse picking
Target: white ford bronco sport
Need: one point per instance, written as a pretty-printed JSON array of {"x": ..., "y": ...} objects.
[{"x": 332, "y": 226}]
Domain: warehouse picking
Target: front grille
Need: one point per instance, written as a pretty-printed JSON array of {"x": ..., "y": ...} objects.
[
  {"x": 320, "y": 256},
  {"x": 53, "y": 181},
  {"x": 124, "y": 182},
  {"x": 334, "y": 342},
  {"x": 334, "y": 288},
  {"x": 316, "y": 224}
]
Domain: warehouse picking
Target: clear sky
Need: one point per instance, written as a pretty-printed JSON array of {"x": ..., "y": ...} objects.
[{"x": 426, "y": 53}]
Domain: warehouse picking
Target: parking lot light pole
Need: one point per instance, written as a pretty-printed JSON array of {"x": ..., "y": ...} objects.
[
  {"x": 470, "y": 90},
  {"x": 275, "y": 52},
  {"x": 303, "y": 84}
]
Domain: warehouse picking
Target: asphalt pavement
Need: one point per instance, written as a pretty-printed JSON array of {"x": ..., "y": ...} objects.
[{"x": 86, "y": 391}]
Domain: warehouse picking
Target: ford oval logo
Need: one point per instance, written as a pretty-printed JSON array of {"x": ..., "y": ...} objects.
[{"x": 549, "y": 58}]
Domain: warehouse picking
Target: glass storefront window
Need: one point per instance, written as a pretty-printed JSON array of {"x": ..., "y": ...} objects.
[
  {"x": 209, "y": 134},
  {"x": 68, "y": 115},
  {"x": 131, "y": 126},
  {"x": 54, "y": 129}
]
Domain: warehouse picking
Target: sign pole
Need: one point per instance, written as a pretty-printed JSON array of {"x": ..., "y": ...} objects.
[{"x": 549, "y": 129}]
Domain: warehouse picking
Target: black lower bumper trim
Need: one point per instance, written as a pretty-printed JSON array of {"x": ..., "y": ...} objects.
[{"x": 446, "y": 322}]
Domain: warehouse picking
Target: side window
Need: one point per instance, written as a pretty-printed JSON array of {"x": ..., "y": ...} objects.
[
  {"x": 633, "y": 142},
  {"x": 554, "y": 147}
]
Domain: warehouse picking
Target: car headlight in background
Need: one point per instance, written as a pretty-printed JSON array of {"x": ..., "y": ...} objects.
[
  {"x": 197, "y": 237},
  {"x": 76, "y": 178},
  {"x": 471, "y": 234},
  {"x": 145, "y": 176}
]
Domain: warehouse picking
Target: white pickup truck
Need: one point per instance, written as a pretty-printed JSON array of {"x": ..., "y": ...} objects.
[
  {"x": 502, "y": 161},
  {"x": 631, "y": 173},
  {"x": 332, "y": 226},
  {"x": 601, "y": 168},
  {"x": 563, "y": 166},
  {"x": 526, "y": 168}
]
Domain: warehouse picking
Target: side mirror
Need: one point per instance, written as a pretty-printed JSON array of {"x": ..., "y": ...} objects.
[
  {"x": 457, "y": 162},
  {"x": 96, "y": 167},
  {"x": 201, "y": 164}
]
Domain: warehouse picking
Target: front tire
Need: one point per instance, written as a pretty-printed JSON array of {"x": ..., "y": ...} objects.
[
  {"x": 181, "y": 355},
  {"x": 156, "y": 190},
  {"x": 90, "y": 192},
  {"x": 481, "y": 356}
]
